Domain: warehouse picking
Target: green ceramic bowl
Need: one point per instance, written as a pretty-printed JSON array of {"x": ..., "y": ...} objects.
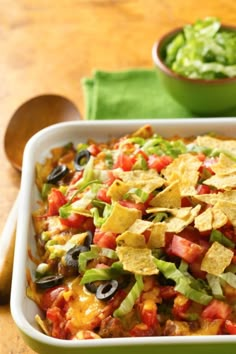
[{"x": 202, "y": 97}]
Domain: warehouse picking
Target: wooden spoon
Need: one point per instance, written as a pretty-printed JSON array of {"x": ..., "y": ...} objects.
[{"x": 34, "y": 115}]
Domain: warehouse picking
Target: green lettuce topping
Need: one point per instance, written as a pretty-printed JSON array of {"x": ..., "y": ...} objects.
[
  {"x": 185, "y": 284},
  {"x": 128, "y": 303},
  {"x": 203, "y": 50}
]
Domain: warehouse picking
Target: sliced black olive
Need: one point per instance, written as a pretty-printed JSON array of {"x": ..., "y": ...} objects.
[
  {"x": 71, "y": 257},
  {"x": 81, "y": 159},
  {"x": 49, "y": 281},
  {"x": 107, "y": 290},
  {"x": 57, "y": 174},
  {"x": 88, "y": 239}
]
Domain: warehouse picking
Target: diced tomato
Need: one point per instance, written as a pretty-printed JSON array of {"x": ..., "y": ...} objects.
[
  {"x": 50, "y": 296},
  {"x": 203, "y": 189},
  {"x": 205, "y": 168},
  {"x": 159, "y": 162},
  {"x": 110, "y": 178},
  {"x": 167, "y": 292},
  {"x": 185, "y": 249},
  {"x": 128, "y": 204},
  {"x": 58, "y": 321},
  {"x": 149, "y": 313},
  {"x": 191, "y": 234},
  {"x": 94, "y": 149},
  {"x": 195, "y": 268},
  {"x": 216, "y": 310},
  {"x": 74, "y": 221},
  {"x": 55, "y": 200},
  {"x": 209, "y": 161},
  {"x": 186, "y": 202},
  {"x": 230, "y": 327},
  {"x": 146, "y": 235},
  {"x": 76, "y": 177},
  {"x": 229, "y": 232},
  {"x": 105, "y": 239},
  {"x": 201, "y": 157},
  {"x": 88, "y": 225},
  {"x": 102, "y": 195},
  {"x": 180, "y": 306},
  {"x": 124, "y": 161},
  {"x": 138, "y": 153}
]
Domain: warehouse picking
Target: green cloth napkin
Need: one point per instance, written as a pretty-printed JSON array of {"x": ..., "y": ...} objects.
[{"x": 134, "y": 94}]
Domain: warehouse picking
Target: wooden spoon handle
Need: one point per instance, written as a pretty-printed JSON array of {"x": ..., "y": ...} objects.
[{"x": 7, "y": 243}]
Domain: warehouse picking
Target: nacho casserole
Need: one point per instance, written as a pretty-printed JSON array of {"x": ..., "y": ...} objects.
[{"x": 136, "y": 237}]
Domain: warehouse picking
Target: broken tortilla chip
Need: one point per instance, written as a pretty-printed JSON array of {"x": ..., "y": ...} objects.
[
  {"x": 131, "y": 239},
  {"x": 120, "y": 219},
  {"x": 218, "y": 144},
  {"x": 170, "y": 197},
  {"x": 222, "y": 182},
  {"x": 185, "y": 169},
  {"x": 137, "y": 260},
  {"x": 224, "y": 166},
  {"x": 117, "y": 190},
  {"x": 216, "y": 259},
  {"x": 203, "y": 222}
]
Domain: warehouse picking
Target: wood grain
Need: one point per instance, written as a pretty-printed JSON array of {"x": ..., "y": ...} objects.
[{"x": 49, "y": 46}]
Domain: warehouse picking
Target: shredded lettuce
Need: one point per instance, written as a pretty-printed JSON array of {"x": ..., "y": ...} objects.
[
  {"x": 138, "y": 194},
  {"x": 218, "y": 236},
  {"x": 95, "y": 274},
  {"x": 79, "y": 205},
  {"x": 160, "y": 146},
  {"x": 183, "y": 282},
  {"x": 97, "y": 218},
  {"x": 203, "y": 50},
  {"x": 95, "y": 251},
  {"x": 128, "y": 303},
  {"x": 215, "y": 285},
  {"x": 229, "y": 278}
]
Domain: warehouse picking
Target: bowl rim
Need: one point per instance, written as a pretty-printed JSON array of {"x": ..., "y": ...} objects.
[{"x": 159, "y": 62}]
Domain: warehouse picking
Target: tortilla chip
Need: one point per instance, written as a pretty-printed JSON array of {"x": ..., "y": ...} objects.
[
  {"x": 213, "y": 198},
  {"x": 120, "y": 219},
  {"x": 157, "y": 237},
  {"x": 147, "y": 186},
  {"x": 136, "y": 175},
  {"x": 168, "y": 198},
  {"x": 144, "y": 132},
  {"x": 157, "y": 232},
  {"x": 42, "y": 324},
  {"x": 140, "y": 226},
  {"x": 219, "y": 218},
  {"x": 185, "y": 170},
  {"x": 182, "y": 219},
  {"x": 146, "y": 180},
  {"x": 203, "y": 222},
  {"x": 137, "y": 260},
  {"x": 117, "y": 190},
  {"x": 216, "y": 259},
  {"x": 131, "y": 239},
  {"x": 222, "y": 182},
  {"x": 224, "y": 166},
  {"x": 218, "y": 144},
  {"x": 229, "y": 209}
]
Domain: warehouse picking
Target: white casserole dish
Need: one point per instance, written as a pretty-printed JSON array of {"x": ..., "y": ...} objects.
[{"x": 24, "y": 310}]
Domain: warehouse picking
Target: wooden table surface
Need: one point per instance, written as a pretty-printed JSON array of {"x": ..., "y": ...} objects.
[{"x": 48, "y": 46}]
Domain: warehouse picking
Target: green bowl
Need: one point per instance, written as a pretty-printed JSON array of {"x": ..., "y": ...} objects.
[{"x": 200, "y": 96}]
